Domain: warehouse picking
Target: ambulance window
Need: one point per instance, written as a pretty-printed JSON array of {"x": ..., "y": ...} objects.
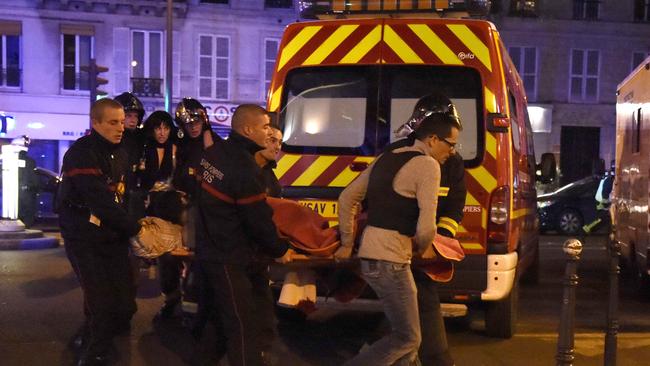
[
  {"x": 636, "y": 131},
  {"x": 462, "y": 85},
  {"x": 516, "y": 138},
  {"x": 325, "y": 109},
  {"x": 529, "y": 134}
]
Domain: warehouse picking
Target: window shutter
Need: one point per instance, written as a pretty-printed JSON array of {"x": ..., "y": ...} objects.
[{"x": 121, "y": 60}]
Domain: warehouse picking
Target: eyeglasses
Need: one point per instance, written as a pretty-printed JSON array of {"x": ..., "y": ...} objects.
[{"x": 452, "y": 145}]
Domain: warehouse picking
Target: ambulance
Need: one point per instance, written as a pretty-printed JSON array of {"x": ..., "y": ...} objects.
[
  {"x": 342, "y": 85},
  {"x": 630, "y": 196}
]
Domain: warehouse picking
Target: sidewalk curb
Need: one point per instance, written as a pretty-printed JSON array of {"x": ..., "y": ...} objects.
[{"x": 29, "y": 243}]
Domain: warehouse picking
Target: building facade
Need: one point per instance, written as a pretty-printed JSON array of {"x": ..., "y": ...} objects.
[
  {"x": 572, "y": 54},
  {"x": 223, "y": 55}
]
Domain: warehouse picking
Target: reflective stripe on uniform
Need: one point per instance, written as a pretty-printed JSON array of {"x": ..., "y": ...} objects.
[{"x": 449, "y": 224}]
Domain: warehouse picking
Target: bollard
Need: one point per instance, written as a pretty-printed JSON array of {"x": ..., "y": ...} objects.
[
  {"x": 565, "y": 351},
  {"x": 612, "y": 304}
]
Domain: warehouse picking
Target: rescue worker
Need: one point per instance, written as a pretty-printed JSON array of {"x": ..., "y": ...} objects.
[
  {"x": 235, "y": 226},
  {"x": 401, "y": 189},
  {"x": 133, "y": 141},
  {"x": 191, "y": 118},
  {"x": 96, "y": 227},
  {"x": 267, "y": 160},
  {"x": 603, "y": 192}
]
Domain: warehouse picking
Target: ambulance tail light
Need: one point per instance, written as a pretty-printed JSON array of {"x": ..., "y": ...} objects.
[
  {"x": 498, "y": 122},
  {"x": 498, "y": 220},
  {"x": 322, "y": 9}
]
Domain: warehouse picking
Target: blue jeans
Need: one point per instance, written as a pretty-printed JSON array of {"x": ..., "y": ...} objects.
[{"x": 395, "y": 287}]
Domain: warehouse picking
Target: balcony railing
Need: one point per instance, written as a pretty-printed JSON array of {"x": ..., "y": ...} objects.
[
  {"x": 74, "y": 81},
  {"x": 10, "y": 77},
  {"x": 137, "y": 7},
  {"x": 146, "y": 87},
  {"x": 586, "y": 9},
  {"x": 287, "y": 4}
]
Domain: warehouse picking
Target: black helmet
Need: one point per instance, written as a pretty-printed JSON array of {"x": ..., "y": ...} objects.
[
  {"x": 426, "y": 106},
  {"x": 189, "y": 110},
  {"x": 131, "y": 103}
]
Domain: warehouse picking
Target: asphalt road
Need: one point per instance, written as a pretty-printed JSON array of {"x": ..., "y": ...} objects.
[{"x": 40, "y": 309}]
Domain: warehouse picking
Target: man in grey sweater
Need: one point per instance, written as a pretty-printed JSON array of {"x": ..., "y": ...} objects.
[{"x": 401, "y": 188}]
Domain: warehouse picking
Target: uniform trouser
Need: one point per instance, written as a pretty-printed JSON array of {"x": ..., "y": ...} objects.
[
  {"x": 245, "y": 304},
  {"x": 107, "y": 285},
  {"x": 170, "y": 268},
  {"x": 135, "y": 203},
  {"x": 434, "y": 350}
]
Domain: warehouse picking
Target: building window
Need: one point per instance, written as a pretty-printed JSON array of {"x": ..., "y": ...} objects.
[
  {"x": 525, "y": 59},
  {"x": 214, "y": 67},
  {"x": 278, "y": 4},
  {"x": 642, "y": 10},
  {"x": 271, "y": 46},
  {"x": 146, "y": 63},
  {"x": 10, "y": 73},
  {"x": 77, "y": 50},
  {"x": 638, "y": 58},
  {"x": 585, "y": 68},
  {"x": 586, "y": 9},
  {"x": 524, "y": 8}
]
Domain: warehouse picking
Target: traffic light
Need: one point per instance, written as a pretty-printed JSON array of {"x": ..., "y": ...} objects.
[{"x": 94, "y": 80}]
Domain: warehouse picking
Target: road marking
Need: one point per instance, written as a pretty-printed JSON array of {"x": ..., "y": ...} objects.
[
  {"x": 584, "y": 335},
  {"x": 592, "y": 344}
]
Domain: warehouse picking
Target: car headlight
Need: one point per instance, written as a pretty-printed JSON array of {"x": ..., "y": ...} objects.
[{"x": 542, "y": 204}]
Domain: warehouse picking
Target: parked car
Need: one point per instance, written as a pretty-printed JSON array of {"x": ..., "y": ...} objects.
[
  {"x": 568, "y": 208},
  {"x": 46, "y": 184}
]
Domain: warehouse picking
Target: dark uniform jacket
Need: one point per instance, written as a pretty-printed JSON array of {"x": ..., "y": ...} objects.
[
  {"x": 90, "y": 198},
  {"x": 270, "y": 180},
  {"x": 133, "y": 145},
  {"x": 235, "y": 222},
  {"x": 451, "y": 197},
  {"x": 451, "y": 200},
  {"x": 188, "y": 158}
]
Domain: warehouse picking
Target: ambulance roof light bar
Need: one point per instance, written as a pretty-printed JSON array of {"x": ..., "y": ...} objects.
[{"x": 327, "y": 9}]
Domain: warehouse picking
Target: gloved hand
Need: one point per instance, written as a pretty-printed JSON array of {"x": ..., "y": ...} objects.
[
  {"x": 287, "y": 257},
  {"x": 343, "y": 253},
  {"x": 428, "y": 253}
]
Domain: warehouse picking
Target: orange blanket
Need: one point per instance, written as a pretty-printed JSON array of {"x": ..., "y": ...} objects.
[
  {"x": 451, "y": 251},
  {"x": 305, "y": 229},
  {"x": 310, "y": 232}
]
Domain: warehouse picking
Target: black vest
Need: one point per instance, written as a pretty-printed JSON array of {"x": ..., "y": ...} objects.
[{"x": 386, "y": 208}]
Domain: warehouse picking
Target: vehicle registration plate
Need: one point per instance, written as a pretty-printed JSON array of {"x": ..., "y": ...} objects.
[{"x": 328, "y": 209}]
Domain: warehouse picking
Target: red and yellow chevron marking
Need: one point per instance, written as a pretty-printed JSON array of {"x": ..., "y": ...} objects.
[
  {"x": 319, "y": 171},
  {"x": 390, "y": 41}
]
